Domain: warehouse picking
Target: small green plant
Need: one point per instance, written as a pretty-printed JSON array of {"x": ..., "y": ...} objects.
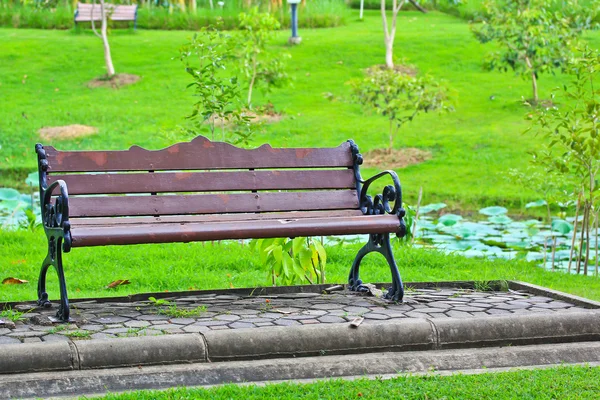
[
  {"x": 79, "y": 334},
  {"x": 399, "y": 97},
  {"x": 58, "y": 328},
  {"x": 12, "y": 315},
  {"x": 174, "y": 311},
  {"x": 482, "y": 286},
  {"x": 157, "y": 302},
  {"x": 291, "y": 261}
]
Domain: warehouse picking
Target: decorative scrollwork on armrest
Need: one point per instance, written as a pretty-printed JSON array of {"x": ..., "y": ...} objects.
[
  {"x": 56, "y": 215},
  {"x": 381, "y": 203}
]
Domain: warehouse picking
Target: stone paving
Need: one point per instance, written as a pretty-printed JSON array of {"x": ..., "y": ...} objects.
[{"x": 201, "y": 313}]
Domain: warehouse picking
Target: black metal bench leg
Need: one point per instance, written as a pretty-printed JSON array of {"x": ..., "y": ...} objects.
[
  {"x": 379, "y": 243},
  {"x": 54, "y": 258},
  {"x": 396, "y": 292}
]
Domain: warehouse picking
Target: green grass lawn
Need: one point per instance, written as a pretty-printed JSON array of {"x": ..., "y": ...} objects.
[
  {"x": 557, "y": 383},
  {"x": 472, "y": 147}
]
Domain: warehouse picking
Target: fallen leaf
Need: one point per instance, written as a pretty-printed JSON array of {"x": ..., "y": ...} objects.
[
  {"x": 119, "y": 282},
  {"x": 15, "y": 262},
  {"x": 14, "y": 281}
]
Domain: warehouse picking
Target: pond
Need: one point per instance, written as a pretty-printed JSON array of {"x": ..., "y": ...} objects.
[{"x": 496, "y": 235}]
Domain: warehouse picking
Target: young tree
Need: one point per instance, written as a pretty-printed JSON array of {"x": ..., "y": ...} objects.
[
  {"x": 573, "y": 148},
  {"x": 534, "y": 36},
  {"x": 256, "y": 29},
  {"x": 110, "y": 69},
  {"x": 399, "y": 97},
  {"x": 204, "y": 58}
]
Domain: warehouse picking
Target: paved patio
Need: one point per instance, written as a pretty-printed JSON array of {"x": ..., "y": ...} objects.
[{"x": 200, "y": 313}]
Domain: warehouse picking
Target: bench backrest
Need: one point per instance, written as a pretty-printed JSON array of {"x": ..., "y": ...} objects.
[
  {"x": 204, "y": 177},
  {"x": 85, "y": 12}
]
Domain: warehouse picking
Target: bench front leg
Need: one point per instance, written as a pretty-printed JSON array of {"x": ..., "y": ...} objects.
[
  {"x": 380, "y": 243},
  {"x": 55, "y": 219}
]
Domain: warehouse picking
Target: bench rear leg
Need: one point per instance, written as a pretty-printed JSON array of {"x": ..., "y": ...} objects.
[
  {"x": 379, "y": 243},
  {"x": 54, "y": 258}
]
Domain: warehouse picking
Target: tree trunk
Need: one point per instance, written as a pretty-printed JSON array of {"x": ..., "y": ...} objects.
[
  {"x": 388, "y": 35},
  {"x": 110, "y": 70},
  {"x": 389, "y": 53},
  {"x": 535, "y": 88},
  {"x": 362, "y": 6}
]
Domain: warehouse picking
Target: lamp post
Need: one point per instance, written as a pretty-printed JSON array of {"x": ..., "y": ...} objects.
[{"x": 294, "y": 39}]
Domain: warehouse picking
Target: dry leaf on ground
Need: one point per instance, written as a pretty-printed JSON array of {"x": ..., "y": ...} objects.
[
  {"x": 119, "y": 282},
  {"x": 14, "y": 281}
]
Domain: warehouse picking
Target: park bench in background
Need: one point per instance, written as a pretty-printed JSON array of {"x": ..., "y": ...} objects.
[
  {"x": 203, "y": 190},
  {"x": 86, "y": 12}
]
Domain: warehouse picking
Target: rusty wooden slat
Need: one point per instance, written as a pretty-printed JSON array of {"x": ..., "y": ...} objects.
[
  {"x": 169, "y": 182},
  {"x": 109, "y": 221},
  {"x": 199, "y": 154},
  {"x": 190, "y": 232},
  {"x": 105, "y": 206}
]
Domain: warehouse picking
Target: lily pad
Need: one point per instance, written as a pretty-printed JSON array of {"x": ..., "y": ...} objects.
[
  {"x": 449, "y": 219},
  {"x": 9, "y": 194},
  {"x": 32, "y": 179},
  {"x": 493, "y": 211},
  {"x": 431, "y": 207},
  {"x": 500, "y": 219},
  {"x": 561, "y": 226},
  {"x": 534, "y": 204}
]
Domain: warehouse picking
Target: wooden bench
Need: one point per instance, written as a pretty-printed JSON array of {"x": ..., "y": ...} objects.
[
  {"x": 87, "y": 12},
  {"x": 203, "y": 190}
]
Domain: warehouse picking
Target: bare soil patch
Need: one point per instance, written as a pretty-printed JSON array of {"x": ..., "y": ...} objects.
[
  {"x": 267, "y": 116},
  {"x": 397, "y": 158},
  {"x": 116, "y": 81},
  {"x": 399, "y": 68},
  {"x": 66, "y": 132}
]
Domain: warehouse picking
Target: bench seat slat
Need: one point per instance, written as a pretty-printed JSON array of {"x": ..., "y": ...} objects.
[
  {"x": 96, "y": 222},
  {"x": 199, "y": 154},
  {"x": 169, "y": 182},
  {"x": 109, "y": 206},
  {"x": 192, "y": 232}
]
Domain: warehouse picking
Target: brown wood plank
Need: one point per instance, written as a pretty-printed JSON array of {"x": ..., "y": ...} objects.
[
  {"x": 167, "y": 233},
  {"x": 111, "y": 221},
  {"x": 199, "y": 154},
  {"x": 211, "y": 203},
  {"x": 169, "y": 182}
]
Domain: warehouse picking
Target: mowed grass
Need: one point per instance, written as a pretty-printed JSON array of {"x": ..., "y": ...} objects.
[
  {"x": 43, "y": 76},
  {"x": 579, "y": 382},
  {"x": 201, "y": 266}
]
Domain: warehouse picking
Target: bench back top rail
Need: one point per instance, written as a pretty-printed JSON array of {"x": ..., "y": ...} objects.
[
  {"x": 204, "y": 177},
  {"x": 85, "y": 12}
]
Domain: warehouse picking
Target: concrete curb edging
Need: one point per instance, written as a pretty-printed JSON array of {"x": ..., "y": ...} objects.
[
  {"x": 244, "y": 344},
  {"x": 281, "y": 342},
  {"x": 99, "y": 381}
]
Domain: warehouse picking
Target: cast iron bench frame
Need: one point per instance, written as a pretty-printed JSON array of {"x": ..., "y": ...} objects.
[
  {"x": 277, "y": 192},
  {"x": 85, "y": 12}
]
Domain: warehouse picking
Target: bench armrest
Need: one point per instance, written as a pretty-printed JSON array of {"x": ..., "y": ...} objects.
[
  {"x": 381, "y": 203},
  {"x": 55, "y": 216}
]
